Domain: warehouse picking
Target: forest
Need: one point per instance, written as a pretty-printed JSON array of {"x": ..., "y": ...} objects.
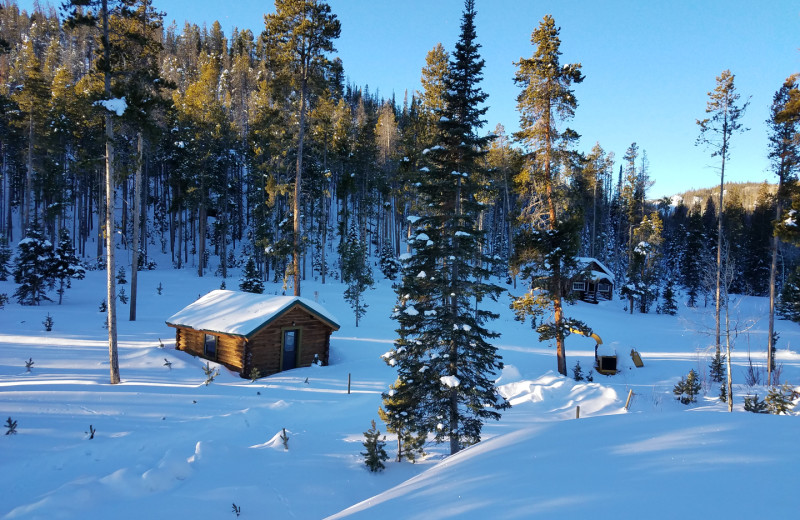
[{"x": 215, "y": 152}]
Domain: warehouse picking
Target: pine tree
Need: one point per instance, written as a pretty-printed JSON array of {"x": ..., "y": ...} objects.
[
  {"x": 398, "y": 413},
  {"x": 780, "y": 401},
  {"x": 784, "y": 123},
  {"x": 788, "y": 305},
  {"x": 376, "y": 453},
  {"x": 688, "y": 388},
  {"x": 669, "y": 305},
  {"x": 547, "y": 243},
  {"x": 356, "y": 273},
  {"x": 692, "y": 260},
  {"x": 717, "y": 368},
  {"x": 445, "y": 364},
  {"x": 716, "y": 132},
  {"x": 299, "y": 35},
  {"x": 33, "y": 268},
  {"x": 755, "y": 405},
  {"x": 5, "y": 259},
  {"x": 388, "y": 263},
  {"x": 251, "y": 278},
  {"x": 67, "y": 265}
]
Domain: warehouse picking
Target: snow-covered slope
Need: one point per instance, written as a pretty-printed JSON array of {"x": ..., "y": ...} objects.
[{"x": 169, "y": 446}]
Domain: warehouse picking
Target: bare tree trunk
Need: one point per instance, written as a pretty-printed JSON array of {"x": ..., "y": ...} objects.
[
  {"x": 297, "y": 179},
  {"x": 110, "y": 231},
  {"x": 137, "y": 198},
  {"x": 773, "y": 268},
  {"x": 719, "y": 255},
  {"x": 111, "y": 301}
]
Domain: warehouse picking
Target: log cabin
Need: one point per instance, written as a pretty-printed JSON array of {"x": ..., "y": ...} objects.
[
  {"x": 595, "y": 281},
  {"x": 255, "y": 334}
]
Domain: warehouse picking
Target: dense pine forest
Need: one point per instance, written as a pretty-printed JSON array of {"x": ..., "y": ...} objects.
[{"x": 126, "y": 143}]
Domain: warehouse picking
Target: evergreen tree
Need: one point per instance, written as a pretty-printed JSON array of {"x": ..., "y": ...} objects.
[
  {"x": 717, "y": 368},
  {"x": 356, "y": 273},
  {"x": 548, "y": 242},
  {"x": 251, "y": 278},
  {"x": 376, "y": 453},
  {"x": 388, "y": 263},
  {"x": 784, "y": 144},
  {"x": 692, "y": 260},
  {"x": 669, "y": 305},
  {"x": 788, "y": 305},
  {"x": 33, "y": 268},
  {"x": 755, "y": 405},
  {"x": 716, "y": 132},
  {"x": 67, "y": 265},
  {"x": 687, "y": 389},
  {"x": 445, "y": 364},
  {"x": 5, "y": 259},
  {"x": 398, "y": 413},
  {"x": 298, "y": 36},
  {"x": 780, "y": 401}
]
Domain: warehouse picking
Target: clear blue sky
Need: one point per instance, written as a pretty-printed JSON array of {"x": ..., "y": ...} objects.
[{"x": 648, "y": 65}]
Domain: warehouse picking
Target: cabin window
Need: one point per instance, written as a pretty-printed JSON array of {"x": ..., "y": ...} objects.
[
  {"x": 578, "y": 286},
  {"x": 604, "y": 287},
  {"x": 210, "y": 347}
]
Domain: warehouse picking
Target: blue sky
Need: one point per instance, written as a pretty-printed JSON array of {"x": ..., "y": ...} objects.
[{"x": 648, "y": 65}]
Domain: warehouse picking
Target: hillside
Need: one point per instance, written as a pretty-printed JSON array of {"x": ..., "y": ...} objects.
[
  {"x": 167, "y": 445},
  {"x": 747, "y": 193}
]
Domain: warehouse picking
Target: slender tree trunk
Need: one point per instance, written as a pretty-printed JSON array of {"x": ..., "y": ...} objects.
[
  {"x": 717, "y": 300},
  {"x": 110, "y": 231},
  {"x": 26, "y": 209},
  {"x": 773, "y": 268},
  {"x": 297, "y": 179},
  {"x": 111, "y": 301},
  {"x": 137, "y": 198}
]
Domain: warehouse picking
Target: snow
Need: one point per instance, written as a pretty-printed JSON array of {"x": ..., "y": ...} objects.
[
  {"x": 422, "y": 236},
  {"x": 168, "y": 446},
  {"x": 450, "y": 381},
  {"x": 421, "y": 274},
  {"x": 462, "y": 234},
  {"x": 240, "y": 313},
  {"x": 116, "y": 105}
]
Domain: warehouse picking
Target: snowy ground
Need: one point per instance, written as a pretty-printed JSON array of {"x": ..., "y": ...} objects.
[{"x": 168, "y": 446}]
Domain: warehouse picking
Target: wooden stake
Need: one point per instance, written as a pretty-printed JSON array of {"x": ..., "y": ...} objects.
[
  {"x": 628, "y": 402},
  {"x": 348, "y": 383},
  {"x": 578, "y": 412}
]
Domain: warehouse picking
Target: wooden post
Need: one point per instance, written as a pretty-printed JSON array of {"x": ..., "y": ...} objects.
[
  {"x": 348, "y": 383},
  {"x": 578, "y": 412},
  {"x": 628, "y": 402}
]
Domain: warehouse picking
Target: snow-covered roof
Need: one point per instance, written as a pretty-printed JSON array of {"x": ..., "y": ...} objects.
[
  {"x": 241, "y": 313},
  {"x": 586, "y": 261}
]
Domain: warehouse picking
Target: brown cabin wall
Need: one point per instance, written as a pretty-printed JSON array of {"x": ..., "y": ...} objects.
[
  {"x": 264, "y": 347},
  {"x": 230, "y": 349}
]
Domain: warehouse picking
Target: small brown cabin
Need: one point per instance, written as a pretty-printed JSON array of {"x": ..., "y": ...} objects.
[
  {"x": 595, "y": 281},
  {"x": 246, "y": 331}
]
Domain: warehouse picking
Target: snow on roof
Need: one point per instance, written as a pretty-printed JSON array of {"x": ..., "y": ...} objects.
[
  {"x": 242, "y": 313},
  {"x": 586, "y": 261}
]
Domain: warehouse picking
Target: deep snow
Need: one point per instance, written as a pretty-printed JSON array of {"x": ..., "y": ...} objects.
[{"x": 168, "y": 446}]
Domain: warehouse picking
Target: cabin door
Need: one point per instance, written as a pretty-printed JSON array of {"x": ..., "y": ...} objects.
[{"x": 291, "y": 339}]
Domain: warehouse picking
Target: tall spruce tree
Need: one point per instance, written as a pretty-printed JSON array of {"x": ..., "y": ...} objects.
[
  {"x": 549, "y": 239},
  {"x": 784, "y": 123},
  {"x": 716, "y": 131},
  {"x": 96, "y": 14},
  {"x": 446, "y": 366},
  {"x": 298, "y": 37}
]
